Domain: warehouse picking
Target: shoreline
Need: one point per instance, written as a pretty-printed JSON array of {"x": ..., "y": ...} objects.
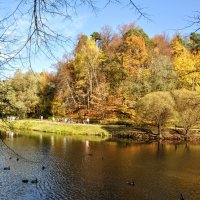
[
  {"x": 54, "y": 127},
  {"x": 114, "y": 131}
]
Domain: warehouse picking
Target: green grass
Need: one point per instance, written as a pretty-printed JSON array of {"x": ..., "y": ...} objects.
[{"x": 58, "y": 128}]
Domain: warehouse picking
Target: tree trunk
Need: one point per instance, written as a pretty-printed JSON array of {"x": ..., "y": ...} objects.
[
  {"x": 71, "y": 92},
  {"x": 90, "y": 92},
  {"x": 88, "y": 101},
  {"x": 159, "y": 131},
  {"x": 186, "y": 131},
  {"x": 193, "y": 84}
]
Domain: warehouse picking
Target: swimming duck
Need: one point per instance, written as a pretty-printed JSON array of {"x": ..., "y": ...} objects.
[
  {"x": 131, "y": 183},
  {"x": 6, "y": 168},
  {"x": 34, "y": 181},
  {"x": 24, "y": 181}
]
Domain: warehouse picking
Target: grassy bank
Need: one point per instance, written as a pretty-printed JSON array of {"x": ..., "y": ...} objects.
[
  {"x": 116, "y": 131},
  {"x": 52, "y": 127}
]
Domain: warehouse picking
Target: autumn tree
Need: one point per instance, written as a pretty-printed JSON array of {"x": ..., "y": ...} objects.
[
  {"x": 139, "y": 32},
  {"x": 134, "y": 52},
  {"x": 162, "y": 44},
  {"x": 186, "y": 65},
  {"x": 86, "y": 66},
  {"x": 112, "y": 67},
  {"x": 65, "y": 101},
  {"x": 133, "y": 58},
  {"x": 158, "y": 76},
  {"x": 188, "y": 108},
  {"x": 156, "y": 109}
]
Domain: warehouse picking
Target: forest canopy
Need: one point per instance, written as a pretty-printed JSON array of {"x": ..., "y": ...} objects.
[{"x": 107, "y": 75}]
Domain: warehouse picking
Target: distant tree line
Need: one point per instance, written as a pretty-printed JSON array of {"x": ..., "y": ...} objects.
[{"x": 115, "y": 77}]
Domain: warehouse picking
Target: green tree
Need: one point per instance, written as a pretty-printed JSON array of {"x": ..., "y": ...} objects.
[
  {"x": 6, "y": 107},
  {"x": 47, "y": 87},
  {"x": 22, "y": 94},
  {"x": 195, "y": 42},
  {"x": 96, "y": 36}
]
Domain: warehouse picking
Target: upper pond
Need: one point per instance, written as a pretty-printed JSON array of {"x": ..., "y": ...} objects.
[{"x": 94, "y": 170}]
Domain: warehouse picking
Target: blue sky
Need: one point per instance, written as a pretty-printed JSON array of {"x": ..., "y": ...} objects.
[{"x": 169, "y": 17}]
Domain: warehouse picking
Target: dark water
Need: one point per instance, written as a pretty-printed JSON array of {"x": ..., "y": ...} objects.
[{"x": 89, "y": 170}]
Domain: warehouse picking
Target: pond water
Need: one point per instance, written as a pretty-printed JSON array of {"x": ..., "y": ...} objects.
[{"x": 83, "y": 169}]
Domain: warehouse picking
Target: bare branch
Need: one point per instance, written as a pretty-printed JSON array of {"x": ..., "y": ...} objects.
[{"x": 38, "y": 29}]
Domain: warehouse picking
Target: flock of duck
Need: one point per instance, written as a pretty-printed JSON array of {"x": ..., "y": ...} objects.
[{"x": 34, "y": 181}]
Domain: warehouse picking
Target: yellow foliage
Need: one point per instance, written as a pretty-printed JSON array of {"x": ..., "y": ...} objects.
[
  {"x": 135, "y": 54},
  {"x": 187, "y": 66},
  {"x": 177, "y": 47}
]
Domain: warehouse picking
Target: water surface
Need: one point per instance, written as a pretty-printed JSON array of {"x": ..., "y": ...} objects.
[{"x": 82, "y": 169}]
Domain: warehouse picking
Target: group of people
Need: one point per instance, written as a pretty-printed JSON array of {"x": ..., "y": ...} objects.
[
  {"x": 70, "y": 121},
  {"x": 12, "y": 118}
]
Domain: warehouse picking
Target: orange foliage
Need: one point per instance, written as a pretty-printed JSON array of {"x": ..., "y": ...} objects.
[
  {"x": 162, "y": 44},
  {"x": 135, "y": 53}
]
